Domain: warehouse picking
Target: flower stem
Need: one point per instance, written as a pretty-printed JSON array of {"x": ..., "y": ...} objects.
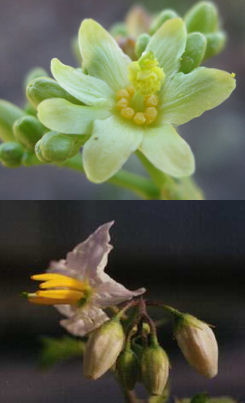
[
  {"x": 171, "y": 188},
  {"x": 139, "y": 185}
]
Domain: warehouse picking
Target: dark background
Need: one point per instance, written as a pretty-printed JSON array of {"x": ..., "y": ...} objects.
[
  {"x": 190, "y": 256},
  {"x": 33, "y": 32}
]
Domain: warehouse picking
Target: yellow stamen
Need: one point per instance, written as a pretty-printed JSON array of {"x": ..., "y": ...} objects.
[
  {"x": 60, "y": 289},
  {"x": 146, "y": 75},
  {"x": 49, "y": 276},
  {"x": 68, "y": 282},
  {"x": 151, "y": 114},
  {"x": 122, "y": 94},
  {"x": 128, "y": 113},
  {"x": 70, "y": 295},
  {"x": 139, "y": 119},
  {"x": 131, "y": 91},
  {"x": 151, "y": 100},
  {"x": 122, "y": 103}
]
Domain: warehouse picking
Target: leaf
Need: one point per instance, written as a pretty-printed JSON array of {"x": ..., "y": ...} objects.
[{"x": 56, "y": 350}]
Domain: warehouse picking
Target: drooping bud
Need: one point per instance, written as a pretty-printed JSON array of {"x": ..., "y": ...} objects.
[
  {"x": 196, "y": 46},
  {"x": 198, "y": 344},
  {"x": 154, "y": 369},
  {"x": 103, "y": 348},
  {"x": 141, "y": 44},
  {"x": 161, "y": 18},
  {"x": 56, "y": 147},
  {"x": 137, "y": 21},
  {"x": 202, "y": 17},
  {"x": 27, "y": 131},
  {"x": 128, "y": 368},
  {"x": 9, "y": 113},
  {"x": 45, "y": 88},
  {"x": 11, "y": 154},
  {"x": 215, "y": 43}
]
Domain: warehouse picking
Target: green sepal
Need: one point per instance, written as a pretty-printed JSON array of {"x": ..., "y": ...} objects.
[
  {"x": 37, "y": 72},
  {"x": 215, "y": 43},
  {"x": 128, "y": 368},
  {"x": 28, "y": 131},
  {"x": 55, "y": 147},
  {"x": 141, "y": 44},
  {"x": 202, "y": 17},
  {"x": 161, "y": 18},
  {"x": 11, "y": 154},
  {"x": 44, "y": 88},
  {"x": 196, "y": 46},
  {"x": 9, "y": 113}
]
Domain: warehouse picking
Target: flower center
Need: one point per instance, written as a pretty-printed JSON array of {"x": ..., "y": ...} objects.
[
  {"x": 57, "y": 289},
  {"x": 139, "y": 102}
]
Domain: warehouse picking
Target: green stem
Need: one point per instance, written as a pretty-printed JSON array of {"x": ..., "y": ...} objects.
[
  {"x": 139, "y": 185},
  {"x": 171, "y": 188}
]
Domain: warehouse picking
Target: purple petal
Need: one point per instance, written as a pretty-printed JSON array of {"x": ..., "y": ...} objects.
[
  {"x": 84, "y": 321},
  {"x": 90, "y": 257}
]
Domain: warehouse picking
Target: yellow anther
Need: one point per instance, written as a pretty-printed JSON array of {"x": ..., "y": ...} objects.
[
  {"x": 131, "y": 91},
  {"x": 122, "y": 103},
  {"x": 128, "y": 113},
  {"x": 61, "y": 294},
  {"x": 146, "y": 75},
  {"x": 151, "y": 100},
  {"x": 122, "y": 94},
  {"x": 59, "y": 289},
  {"x": 151, "y": 114},
  {"x": 139, "y": 119}
]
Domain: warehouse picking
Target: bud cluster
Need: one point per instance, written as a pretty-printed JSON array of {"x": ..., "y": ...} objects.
[{"x": 128, "y": 344}]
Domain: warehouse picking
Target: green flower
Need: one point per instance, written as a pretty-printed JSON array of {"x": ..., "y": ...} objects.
[{"x": 129, "y": 106}]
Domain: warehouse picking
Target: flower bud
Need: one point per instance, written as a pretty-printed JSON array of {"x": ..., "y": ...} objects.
[
  {"x": 11, "y": 154},
  {"x": 27, "y": 131},
  {"x": 215, "y": 43},
  {"x": 202, "y": 17},
  {"x": 103, "y": 348},
  {"x": 37, "y": 72},
  {"x": 194, "y": 53},
  {"x": 9, "y": 113},
  {"x": 141, "y": 44},
  {"x": 154, "y": 369},
  {"x": 56, "y": 147},
  {"x": 161, "y": 18},
  {"x": 44, "y": 88},
  {"x": 137, "y": 21},
  {"x": 128, "y": 368},
  {"x": 198, "y": 344},
  {"x": 119, "y": 30}
]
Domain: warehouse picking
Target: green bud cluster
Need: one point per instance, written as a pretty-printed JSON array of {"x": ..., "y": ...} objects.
[
  {"x": 25, "y": 140},
  {"x": 205, "y": 36}
]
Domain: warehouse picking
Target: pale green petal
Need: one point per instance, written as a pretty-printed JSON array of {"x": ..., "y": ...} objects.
[
  {"x": 188, "y": 96},
  {"x": 85, "y": 88},
  {"x": 102, "y": 57},
  {"x": 168, "y": 45},
  {"x": 113, "y": 141},
  {"x": 62, "y": 116},
  {"x": 168, "y": 152}
]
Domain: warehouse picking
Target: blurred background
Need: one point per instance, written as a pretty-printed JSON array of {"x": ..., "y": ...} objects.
[
  {"x": 33, "y": 32},
  {"x": 189, "y": 257}
]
